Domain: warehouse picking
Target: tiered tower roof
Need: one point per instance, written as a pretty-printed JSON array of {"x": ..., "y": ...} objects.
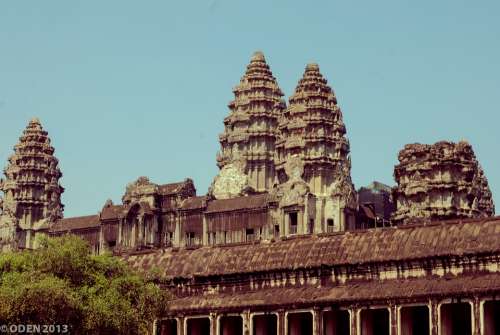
[
  {"x": 31, "y": 189},
  {"x": 440, "y": 181},
  {"x": 250, "y": 130},
  {"x": 312, "y": 129}
]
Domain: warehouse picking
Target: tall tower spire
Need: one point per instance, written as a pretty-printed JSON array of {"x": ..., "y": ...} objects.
[
  {"x": 313, "y": 134},
  {"x": 250, "y": 131},
  {"x": 32, "y": 194}
]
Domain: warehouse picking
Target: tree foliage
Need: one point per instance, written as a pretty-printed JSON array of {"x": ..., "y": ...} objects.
[{"x": 63, "y": 283}]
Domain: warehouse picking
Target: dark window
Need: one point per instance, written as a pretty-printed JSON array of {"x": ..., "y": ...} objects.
[
  {"x": 231, "y": 325},
  {"x": 311, "y": 226},
  {"x": 265, "y": 324},
  {"x": 300, "y": 323},
  {"x": 336, "y": 322},
  {"x": 375, "y": 321},
  {"x": 293, "y": 216},
  {"x": 226, "y": 237},
  {"x": 250, "y": 235},
  {"x": 491, "y": 317},
  {"x": 167, "y": 327},
  {"x": 199, "y": 326},
  {"x": 277, "y": 231},
  {"x": 169, "y": 236},
  {"x": 414, "y": 320},
  {"x": 190, "y": 239},
  {"x": 330, "y": 227},
  {"x": 456, "y": 319}
]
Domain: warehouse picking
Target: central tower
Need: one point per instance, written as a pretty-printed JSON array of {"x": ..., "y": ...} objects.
[
  {"x": 313, "y": 150},
  {"x": 246, "y": 159}
]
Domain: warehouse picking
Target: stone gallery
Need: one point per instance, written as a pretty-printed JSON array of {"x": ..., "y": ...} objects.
[{"x": 282, "y": 242}]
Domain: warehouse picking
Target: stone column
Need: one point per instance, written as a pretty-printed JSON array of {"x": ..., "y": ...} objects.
[
  {"x": 156, "y": 322},
  {"x": 205, "y": 231},
  {"x": 305, "y": 223},
  {"x": 180, "y": 325},
  {"x": 393, "y": 319},
  {"x": 177, "y": 232},
  {"x": 286, "y": 230},
  {"x": 476, "y": 315},
  {"x": 120, "y": 230},
  {"x": 140, "y": 238},
  {"x": 434, "y": 317},
  {"x": 355, "y": 314},
  {"x": 246, "y": 322},
  {"x": 102, "y": 245},
  {"x": 317, "y": 321},
  {"x": 214, "y": 320},
  {"x": 281, "y": 322}
]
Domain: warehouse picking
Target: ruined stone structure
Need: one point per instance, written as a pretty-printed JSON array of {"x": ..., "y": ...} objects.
[
  {"x": 440, "y": 181},
  {"x": 32, "y": 194},
  {"x": 282, "y": 243}
]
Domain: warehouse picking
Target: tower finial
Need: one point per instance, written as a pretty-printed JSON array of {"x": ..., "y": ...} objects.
[
  {"x": 312, "y": 67},
  {"x": 258, "y": 56}
]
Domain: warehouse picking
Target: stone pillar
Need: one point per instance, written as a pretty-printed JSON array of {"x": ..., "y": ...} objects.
[
  {"x": 28, "y": 239},
  {"x": 177, "y": 233},
  {"x": 214, "y": 320},
  {"x": 180, "y": 325},
  {"x": 281, "y": 322},
  {"x": 155, "y": 326},
  {"x": 140, "y": 239},
  {"x": 120, "y": 230},
  {"x": 286, "y": 230},
  {"x": 305, "y": 223},
  {"x": 476, "y": 316},
  {"x": 434, "y": 317},
  {"x": 205, "y": 231},
  {"x": 246, "y": 322},
  {"x": 355, "y": 314},
  {"x": 393, "y": 319},
  {"x": 102, "y": 245},
  {"x": 317, "y": 321}
]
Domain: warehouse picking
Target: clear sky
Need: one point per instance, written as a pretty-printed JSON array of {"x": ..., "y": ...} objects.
[{"x": 132, "y": 88}]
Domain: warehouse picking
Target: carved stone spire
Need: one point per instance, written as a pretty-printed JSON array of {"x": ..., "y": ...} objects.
[
  {"x": 440, "y": 181},
  {"x": 312, "y": 129},
  {"x": 247, "y": 144},
  {"x": 32, "y": 194}
]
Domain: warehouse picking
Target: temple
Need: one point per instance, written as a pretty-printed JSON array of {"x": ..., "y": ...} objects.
[{"x": 282, "y": 242}]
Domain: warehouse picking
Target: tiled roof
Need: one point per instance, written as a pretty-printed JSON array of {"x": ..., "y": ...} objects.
[
  {"x": 354, "y": 247},
  {"x": 248, "y": 202},
  {"x": 359, "y": 291},
  {"x": 112, "y": 212},
  {"x": 193, "y": 203},
  {"x": 172, "y": 188},
  {"x": 367, "y": 211},
  {"x": 79, "y": 222}
]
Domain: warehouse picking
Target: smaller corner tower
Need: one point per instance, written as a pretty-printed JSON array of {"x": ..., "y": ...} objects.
[{"x": 32, "y": 193}]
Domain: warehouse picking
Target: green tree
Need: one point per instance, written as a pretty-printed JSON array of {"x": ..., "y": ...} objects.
[{"x": 63, "y": 283}]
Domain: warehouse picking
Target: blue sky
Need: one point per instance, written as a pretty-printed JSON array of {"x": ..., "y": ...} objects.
[{"x": 131, "y": 88}]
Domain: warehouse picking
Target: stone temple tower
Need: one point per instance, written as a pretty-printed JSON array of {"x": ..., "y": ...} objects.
[
  {"x": 440, "y": 181},
  {"x": 313, "y": 148},
  {"x": 246, "y": 159},
  {"x": 32, "y": 194}
]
